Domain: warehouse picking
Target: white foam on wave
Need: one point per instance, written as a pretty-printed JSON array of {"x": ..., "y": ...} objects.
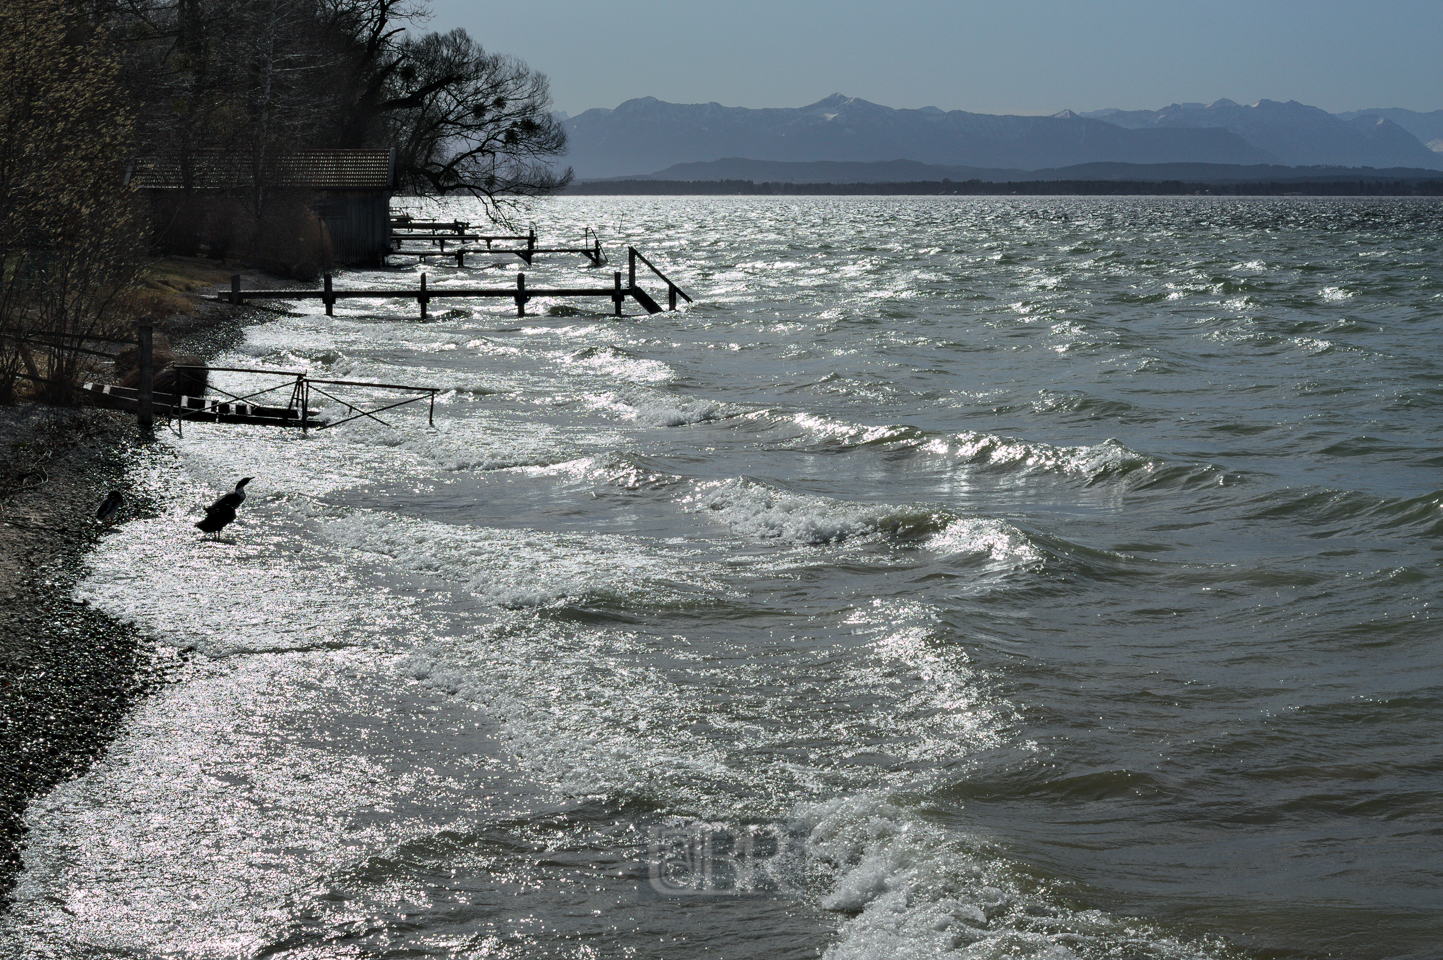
[
  {"x": 476, "y": 443},
  {"x": 583, "y": 709},
  {"x": 997, "y": 540},
  {"x": 725, "y": 730},
  {"x": 609, "y": 468},
  {"x": 918, "y": 891},
  {"x": 851, "y": 434},
  {"x": 1313, "y": 346},
  {"x": 939, "y": 709},
  {"x": 526, "y": 568},
  {"x": 756, "y": 510},
  {"x": 657, "y": 409},
  {"x": 615, "y": 363},
  {"x": 571, "y": 331},
  {"x": 1091, "y": 461}
]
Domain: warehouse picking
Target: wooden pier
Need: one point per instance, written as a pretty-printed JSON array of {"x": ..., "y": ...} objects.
[
  {"x": 438, "y": 233},
  {"x": 520, "y": 294}
]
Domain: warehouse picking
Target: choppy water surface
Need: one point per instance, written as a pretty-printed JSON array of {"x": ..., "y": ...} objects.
[{"x": 956, "y": 578}]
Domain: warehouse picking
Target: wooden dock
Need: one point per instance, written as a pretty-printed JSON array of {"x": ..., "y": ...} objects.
[
  {"x": 438, "y": 233},
  {"x": 520, "y": 294}
]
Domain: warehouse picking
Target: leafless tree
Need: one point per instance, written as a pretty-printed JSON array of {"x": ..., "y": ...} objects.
[
  {"x": 68, "y": 225},
  {"x": 467, "y": 121}
]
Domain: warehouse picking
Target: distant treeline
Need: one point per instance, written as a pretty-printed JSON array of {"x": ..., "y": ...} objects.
[{"x": 1086, "y": 188}]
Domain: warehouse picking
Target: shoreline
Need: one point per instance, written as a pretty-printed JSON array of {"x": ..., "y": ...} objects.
[{"x": 69, "y": 673}]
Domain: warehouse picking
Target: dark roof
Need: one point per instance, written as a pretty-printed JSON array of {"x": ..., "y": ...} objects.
[{"x": 317, "y": 169}]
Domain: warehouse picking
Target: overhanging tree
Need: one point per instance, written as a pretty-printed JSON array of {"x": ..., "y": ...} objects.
[{"x": 467, "y": 121}]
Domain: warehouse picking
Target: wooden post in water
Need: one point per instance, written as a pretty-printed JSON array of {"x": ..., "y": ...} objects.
[
  {"x": 145, "y": 392},
  {"x": 631, "y": 268},
  {"x": 618, "y": 296},
  {"x": 521, "y": 296},
  {"x": 235, "y": 288},
  {"x": 422, "y": 298},
  {"x": 330, "y": 298}
]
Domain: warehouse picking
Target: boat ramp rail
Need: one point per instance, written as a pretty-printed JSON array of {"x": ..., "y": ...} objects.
[
  {"x": 244, "y": 408},
  {"x": 302, "y": 386}
]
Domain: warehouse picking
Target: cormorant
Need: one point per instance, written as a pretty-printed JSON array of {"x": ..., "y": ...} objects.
[
  {"x": 109, "y": 507},
  {"x": 222, "y": 512}
]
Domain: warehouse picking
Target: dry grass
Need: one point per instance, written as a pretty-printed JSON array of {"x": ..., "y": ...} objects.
[{"x": 173, "y": 286}]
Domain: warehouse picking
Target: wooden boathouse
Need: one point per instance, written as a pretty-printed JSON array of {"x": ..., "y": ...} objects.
[{"x": 348, "y": 191}]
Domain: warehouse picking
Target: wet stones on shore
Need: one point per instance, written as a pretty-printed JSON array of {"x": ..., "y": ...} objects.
[{"x": 68, "y": 672}]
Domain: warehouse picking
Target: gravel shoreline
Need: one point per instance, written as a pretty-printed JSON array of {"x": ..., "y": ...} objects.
[{"x": 68, "y": 672}]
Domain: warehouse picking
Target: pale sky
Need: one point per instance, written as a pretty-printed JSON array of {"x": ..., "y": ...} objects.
[{"x": 1001, "y": 56}]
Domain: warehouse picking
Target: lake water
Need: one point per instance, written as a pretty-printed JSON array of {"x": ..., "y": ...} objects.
[{"x": 957, "y": 577}]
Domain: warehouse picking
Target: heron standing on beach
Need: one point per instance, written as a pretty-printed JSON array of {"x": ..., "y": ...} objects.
[{"x": 219, "y": 514}]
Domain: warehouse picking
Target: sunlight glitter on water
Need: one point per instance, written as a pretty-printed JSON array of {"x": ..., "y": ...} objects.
[{"x": 1003, "y": 645}]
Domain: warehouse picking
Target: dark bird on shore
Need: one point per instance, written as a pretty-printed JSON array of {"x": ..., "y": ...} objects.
[
  {"x": 109, "y": 507},
  {"x": 219, "y": 514}
]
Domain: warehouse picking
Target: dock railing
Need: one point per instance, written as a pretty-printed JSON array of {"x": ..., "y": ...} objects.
[{"x": 672, "y": 290}]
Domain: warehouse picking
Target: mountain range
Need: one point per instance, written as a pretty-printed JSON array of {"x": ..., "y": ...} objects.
[
  {"x": 910, "y": 171},
  {"x": 646, "y": 135}
]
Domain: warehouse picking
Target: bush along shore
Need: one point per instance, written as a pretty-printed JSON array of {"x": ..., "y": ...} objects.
[{"x": 68, "y": 672}]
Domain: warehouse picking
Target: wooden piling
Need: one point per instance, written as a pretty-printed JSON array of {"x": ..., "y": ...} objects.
[
  {"x": 521, "y": 296},
  {"x": 422, "y": 298},
  {"x": 145, "y": 393},
  {"x": 235, "y": 296},
  {"x": 619, "y": 295},
  {"x": 330, "y": 298}
]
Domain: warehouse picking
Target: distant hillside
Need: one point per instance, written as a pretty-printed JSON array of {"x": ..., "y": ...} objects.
[
  {"x": 649, "y": 134},
  {"x": 1295, "y": 133},
  {"x": 646, "y": 135},
  {"x": 908, "y": 171}
]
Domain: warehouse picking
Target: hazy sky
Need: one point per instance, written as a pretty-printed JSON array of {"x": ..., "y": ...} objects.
[{"x": 999, "y": 56}]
